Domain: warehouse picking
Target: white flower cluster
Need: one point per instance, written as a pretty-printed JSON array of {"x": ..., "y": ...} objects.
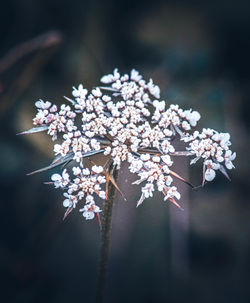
[
  {"x": 175, "y": 118},
  {"x": 62, "y": 121},
  {"x": 85, "y": 183},
  {"x": 213, "y": 147},
  {"x": 154, "y": 169},
  {"x": 133, "y": 87},
  {"x": 125, "y": 121}
]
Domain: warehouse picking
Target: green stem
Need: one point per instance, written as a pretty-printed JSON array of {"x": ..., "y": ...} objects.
[{"x": 105, "y": 239}]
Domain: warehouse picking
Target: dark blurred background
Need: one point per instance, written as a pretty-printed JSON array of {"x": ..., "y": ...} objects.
[{"x": 198, "y": 53}]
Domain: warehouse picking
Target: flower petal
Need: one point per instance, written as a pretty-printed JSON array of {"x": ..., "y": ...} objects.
[{"x": 209, "y": 174}]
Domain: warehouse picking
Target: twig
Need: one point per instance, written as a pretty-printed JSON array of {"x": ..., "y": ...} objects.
[
  {"x": 40, "y": 42},
  {"x": 44, "y": 46}
]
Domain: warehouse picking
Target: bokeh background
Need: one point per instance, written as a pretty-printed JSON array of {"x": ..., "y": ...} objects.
[{"x": 198, "y": 53}]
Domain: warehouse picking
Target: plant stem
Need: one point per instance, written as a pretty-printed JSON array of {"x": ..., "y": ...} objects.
[{"x": 105, "y": 239}]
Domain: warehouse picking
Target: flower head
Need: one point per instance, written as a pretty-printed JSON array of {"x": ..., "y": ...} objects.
[{"x": 126, "y": 122}]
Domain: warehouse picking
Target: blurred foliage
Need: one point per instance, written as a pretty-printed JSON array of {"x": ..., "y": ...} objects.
[{"x": 198, "y": 52}]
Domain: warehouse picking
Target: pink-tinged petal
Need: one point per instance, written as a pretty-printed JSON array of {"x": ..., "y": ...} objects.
[
  {"x": 233, "y": 156},
  {"x": 220, "y": 159},
  {"x": 65, "y": 175},
  {"x": 66, "y": 203},
  {"x": 229, "y": 165},
  {"x": 177, "y": 195},
  {"x": 215, "y": 166},
  {"x": 89, "y": 215}
]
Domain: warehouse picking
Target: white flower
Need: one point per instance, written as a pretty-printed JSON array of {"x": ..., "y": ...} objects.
[
  {"x": 153, "y": 89},
  {"x": 97, "y": 92},
  {"x": 135, "y": 166},
  {"x": 210, "y": 169},
  {"x": 53, "y": 108},
  {"x": 229, "y": 157},
  {"x": 211, "y": 164},
  {"x": 79, "y": 92},
  {"x": 185, "y": 125},
  {"x": 97, "y": 169},
  {"x": 43, "y": 105},
  {"x": 57, "y": 149},
  {"x": 76, "y": 171},
  {"x": 78, "y": 156},
  {"x": 60, "y": 180},
  {"x": 40, "y": 117},
  {"x": 166, "y": 159},
  {"x": 89, "y": 199},
  {"x": 172, "y": 192},
  {"x": 107, "y": 151},
  {"x": 167, "y": 147},
  {"x": 147, "y": 190},
  {"x": 193, "y": 117},
  {"x": 135, "y": 75},
  {"x": 107, "y": 79},
  {"x": 145, "y": 157},
  {"x": 89, "y": 210},
  {"x": 225, "y": 140},
  {"x": 111, "y": 78},
  {"x": 156, "y": 159},
  {"x": 71, "y": 201},
  {"x": 209, "y": 174},
  {"x": 86, "y": 171},
  {"x": 159, "y": 105},
  {"x": 102, "y": 194}
]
